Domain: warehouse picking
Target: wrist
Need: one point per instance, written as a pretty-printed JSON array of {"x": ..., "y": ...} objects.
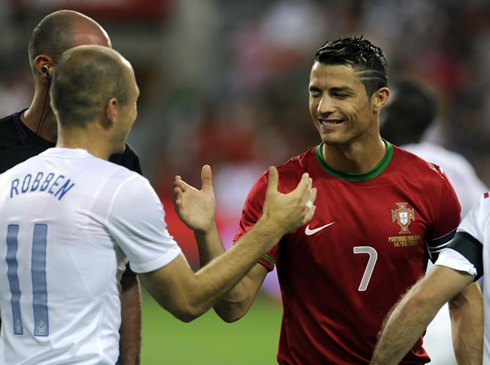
[
  {"x": 206, "y": 233},
  {"x": 266, "y": 226}
]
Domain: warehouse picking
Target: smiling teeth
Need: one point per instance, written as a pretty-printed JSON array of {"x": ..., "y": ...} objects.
[{"x": 327, "y": 124}]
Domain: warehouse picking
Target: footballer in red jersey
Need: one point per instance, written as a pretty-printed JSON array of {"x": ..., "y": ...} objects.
[
  {"x": 368, "y": 242},
  {"x": 380, "y": 214}
]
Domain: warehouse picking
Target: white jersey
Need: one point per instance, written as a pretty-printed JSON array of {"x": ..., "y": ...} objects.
[
  {"x": 68, "y": 224},
  {"x": 468, "y": 188},
  {"x": 476, "y": 224}
]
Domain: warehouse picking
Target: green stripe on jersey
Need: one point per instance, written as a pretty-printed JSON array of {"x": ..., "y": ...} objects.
[
  {"x": 268, "y": 258},
  {"x": 355, "y": 176}
]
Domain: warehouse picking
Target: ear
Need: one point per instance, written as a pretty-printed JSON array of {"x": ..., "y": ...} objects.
[
  {"x": 380, "y": 98},
  {"x": 43, "y": 61},
  {"x": 111, "y": 110}
]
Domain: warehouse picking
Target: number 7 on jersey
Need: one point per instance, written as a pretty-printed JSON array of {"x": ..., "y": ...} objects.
[{"x": 373, "y": 257}]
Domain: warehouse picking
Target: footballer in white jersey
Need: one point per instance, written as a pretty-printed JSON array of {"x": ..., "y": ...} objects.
[
  {"x": 68, "y": 225},
  {"x": 471, "y": 254}
]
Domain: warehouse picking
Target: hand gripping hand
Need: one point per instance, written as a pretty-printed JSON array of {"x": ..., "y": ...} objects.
[
  {"x": 194, "y": 207},
  {"x": 292, "y": 210}
]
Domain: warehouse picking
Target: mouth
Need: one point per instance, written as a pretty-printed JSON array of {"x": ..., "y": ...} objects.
[{"x": 330, "y": 122}]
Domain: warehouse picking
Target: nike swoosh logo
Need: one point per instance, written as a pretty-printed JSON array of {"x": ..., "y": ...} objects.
[{"x": 309, "y": 231}]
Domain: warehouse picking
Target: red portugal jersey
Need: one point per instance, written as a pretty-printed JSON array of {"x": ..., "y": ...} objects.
[{"x": 368, "y": 242}]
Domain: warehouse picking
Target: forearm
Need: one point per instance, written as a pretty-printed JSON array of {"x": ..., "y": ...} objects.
[
  {"x": 225, "y": 272},
  {"x": 415, "y": 311},
  {"x": 405, "y": 325},
  {"x": 209, "y": 245},
  {"x": 238, "y": 300},
  {"x": 466, "y": 310},
  {"x": 130, "y": 331},
  {"x": 188, "y": 295}
]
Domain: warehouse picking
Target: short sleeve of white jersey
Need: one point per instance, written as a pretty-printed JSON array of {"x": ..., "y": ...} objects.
[
  {"x": 454, "y": 260},
  {"x": 474, "y": 222},
  {"x": 136, "y": 221}
]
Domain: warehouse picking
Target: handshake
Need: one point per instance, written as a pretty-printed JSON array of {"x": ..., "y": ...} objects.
[{"x": 281, "y": 214}]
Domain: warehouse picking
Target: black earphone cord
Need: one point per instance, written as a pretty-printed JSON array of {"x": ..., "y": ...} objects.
[{"x": 41, "y": 120}]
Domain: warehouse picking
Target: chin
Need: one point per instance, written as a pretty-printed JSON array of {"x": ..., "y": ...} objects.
[
  {"x": 122, "y": 149},
  {"x": 332, "y": 141},
  {"x": 119, "y": 149}
]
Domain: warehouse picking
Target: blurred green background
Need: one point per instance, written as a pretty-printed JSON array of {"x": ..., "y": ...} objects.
[{"x": 208, "y": 340}]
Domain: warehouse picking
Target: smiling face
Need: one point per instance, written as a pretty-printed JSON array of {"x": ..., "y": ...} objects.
[{"x": 340, "y": 108}]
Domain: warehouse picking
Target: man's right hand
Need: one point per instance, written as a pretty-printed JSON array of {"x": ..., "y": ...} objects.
[{"x": 292, "y": 210}]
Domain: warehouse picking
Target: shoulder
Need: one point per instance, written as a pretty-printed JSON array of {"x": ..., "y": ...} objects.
[
  {"x": 290, "y": 172},
  {"x": 409, "y": 163},
  {"x": 118, "y": 174},
  {"x": 90, "y": 167},
  {"x": 26, "y": 165},
  {"x": 477, "y": 221},
  {"x": 116, "y": 181},
  {"x": 6, "y": 121},
  {"x": 131, "y": 193},
  {"x": 7, "y": 130},
  {"x": 131, "y": 183}
]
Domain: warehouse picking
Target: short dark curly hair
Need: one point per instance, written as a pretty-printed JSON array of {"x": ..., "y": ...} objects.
[{"x": 364, "y": 57}]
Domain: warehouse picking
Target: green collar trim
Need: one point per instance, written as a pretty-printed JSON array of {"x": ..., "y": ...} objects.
[{"x": 355, "y": 176}]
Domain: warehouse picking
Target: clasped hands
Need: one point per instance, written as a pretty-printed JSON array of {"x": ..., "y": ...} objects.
[{"x": 286, "y": 212}]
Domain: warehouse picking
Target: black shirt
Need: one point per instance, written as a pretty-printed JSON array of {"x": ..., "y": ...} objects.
[{"x": 18, "y": 143}]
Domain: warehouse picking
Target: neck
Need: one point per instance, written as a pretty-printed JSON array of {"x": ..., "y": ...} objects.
[
  {"x": 87, "y": 140},
  {"x": 355, "y": 157},
  {"x": 39, "y": 118}
]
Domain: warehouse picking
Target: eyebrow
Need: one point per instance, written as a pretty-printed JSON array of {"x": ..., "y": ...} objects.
[
  {"x": 341, "y": 89},
  {"x": 333, "y": 89},
  {"x": 313, "y": 88}
]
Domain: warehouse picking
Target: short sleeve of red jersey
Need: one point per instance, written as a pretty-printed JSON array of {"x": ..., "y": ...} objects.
[
  {"x": 446, "y": 215},
  {"x": 252, "y": 211}
]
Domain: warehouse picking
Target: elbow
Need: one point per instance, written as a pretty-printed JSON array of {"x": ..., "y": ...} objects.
[
  {"x": 457, "y": 302},
  {"x": 471, "y": 295},
  {"x": 188, "y": 313},
  {"x": 228, "y": 318},
  {"x": 229, "y": 313},
  {"x": 185, "y": 317}
]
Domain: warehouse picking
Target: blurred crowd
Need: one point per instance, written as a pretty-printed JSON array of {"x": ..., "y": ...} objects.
[{"x": 226, "y": 82}]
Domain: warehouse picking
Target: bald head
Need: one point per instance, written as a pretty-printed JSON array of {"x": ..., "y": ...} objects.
[
  {"x": 86, "y": 78},
  {"x": 62, "y": 30}
]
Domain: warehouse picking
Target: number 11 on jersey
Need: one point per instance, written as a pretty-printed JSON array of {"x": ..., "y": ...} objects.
[{"x": 38, "y": 276}]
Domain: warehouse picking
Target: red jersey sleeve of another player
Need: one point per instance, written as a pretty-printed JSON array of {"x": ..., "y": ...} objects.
[
  {"x": 446, "y": 215},
  {"x": 252, "y": 211}
]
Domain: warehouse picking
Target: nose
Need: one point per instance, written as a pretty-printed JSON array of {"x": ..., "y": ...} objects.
[{"x": 326, "y": 105}]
